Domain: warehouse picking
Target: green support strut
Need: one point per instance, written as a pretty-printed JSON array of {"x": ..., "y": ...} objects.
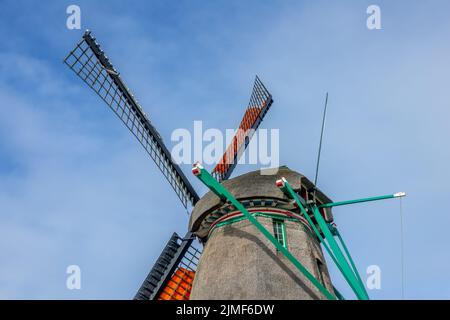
[
  {"x": 343, "y": 203},
  {"x": 225, "y": 195},
  {"x": 349, "y": 274},
  {"x": 289, "y": 192},
  {"x": 337, "y": 255},
  {"x": 336, "y": 233}
]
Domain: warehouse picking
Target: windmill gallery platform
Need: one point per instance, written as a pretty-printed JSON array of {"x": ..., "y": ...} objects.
[{"x": 238, "y": 262}]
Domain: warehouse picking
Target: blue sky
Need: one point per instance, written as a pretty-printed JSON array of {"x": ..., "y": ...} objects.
[{"x": 76, "y": 188}]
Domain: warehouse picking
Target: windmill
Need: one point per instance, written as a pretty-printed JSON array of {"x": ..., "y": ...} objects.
[{"x": 236, "y": 261}]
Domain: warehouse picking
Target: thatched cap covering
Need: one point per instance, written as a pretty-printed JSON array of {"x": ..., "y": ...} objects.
[{"x": 252, "y": 185}]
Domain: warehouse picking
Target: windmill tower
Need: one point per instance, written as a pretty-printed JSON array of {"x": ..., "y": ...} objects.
[
  {"x": 262, "y": 236},
  {"x": 237, "y": 263}
]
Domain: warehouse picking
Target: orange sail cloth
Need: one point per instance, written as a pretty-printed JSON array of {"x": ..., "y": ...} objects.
[
  {"x": 249, "y": 119},
  {"x": 179, "y": 286}
]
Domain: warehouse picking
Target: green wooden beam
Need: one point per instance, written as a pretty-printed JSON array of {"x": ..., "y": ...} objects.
[
  {"x": 335, "y": 231},
  {"x": 284, "y": 185},
  {"x": 343, "y": 203},
  {"x": 335, "y": 252},
  {"x": 348, "y": 274}
]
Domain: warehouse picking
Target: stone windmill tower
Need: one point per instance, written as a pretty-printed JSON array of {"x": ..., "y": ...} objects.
[
  {"x": 262, "y": 236},
  {"x": 237, "y": 261}
]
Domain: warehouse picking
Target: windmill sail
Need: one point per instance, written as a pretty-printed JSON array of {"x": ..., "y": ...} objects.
[
  {"x": 91, "y": 64},
  {"x": 172, "y": 275},
  {"x": 260, "y": 102}
]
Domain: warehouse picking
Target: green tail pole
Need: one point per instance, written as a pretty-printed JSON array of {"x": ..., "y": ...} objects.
[{"x": 343, "y": 203}]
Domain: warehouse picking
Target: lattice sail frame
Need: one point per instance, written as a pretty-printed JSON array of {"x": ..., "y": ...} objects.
[
  {"x": 179, "y": 284},
  {"x": 91, "y": 64},
  {"x": 172, "y": 276},
  {"x": 260, "y": 102}
]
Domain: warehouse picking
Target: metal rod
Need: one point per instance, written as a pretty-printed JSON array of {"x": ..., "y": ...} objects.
[
  {"x": 402, "y": 253},
  {"x": 320, "y": 145}
]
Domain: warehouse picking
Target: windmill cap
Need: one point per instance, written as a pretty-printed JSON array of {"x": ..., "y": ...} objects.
[{"x": 248, "y": 187}]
